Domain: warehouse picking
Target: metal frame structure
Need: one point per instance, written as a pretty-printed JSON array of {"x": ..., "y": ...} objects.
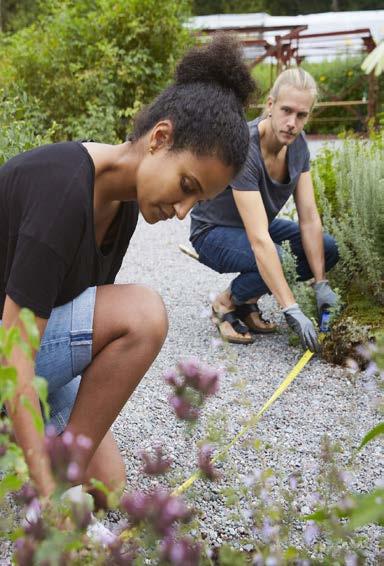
[{"x": 295, "y": 46}]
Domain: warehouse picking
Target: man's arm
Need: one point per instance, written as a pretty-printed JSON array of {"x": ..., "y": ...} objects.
[
  {"x": 27, "y": 437},
  {"x": 252, "y": 212},
  {"x": 251, "y": 209},
  {"x": 310, "y": 226}
]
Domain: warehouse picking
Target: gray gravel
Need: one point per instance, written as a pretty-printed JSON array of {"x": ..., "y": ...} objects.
[{"x": 323, "y": 400}]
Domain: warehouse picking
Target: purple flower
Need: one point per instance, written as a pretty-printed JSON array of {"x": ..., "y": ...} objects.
[
  {"x": 293, "y": 480},
  {"x": 351, "y": 560},
  {"x": 36, "y": 529},
  {"x": 120, "y": 557},
  {"x": 84, "y": 442},
  {"x": 372, "y": 369},
  {"x": 173, "y": 379},
  {"x": 183, "y": 408},
  {"x": 205, "y": 462},
  {"x": 202, "y": 379},
  {"x": 26, "y": 494},
  {"x": 209, "y": 381},
  {"x": 180, "y": 552},
  {"x": 66, "y": 454},
  {"x": 73, "y": 472},
  {"x": 157, "y": 465},
  {"x": 81, "y": 514},
  {"x": 311, "y": 533},
  {"x": 67, "y": 438},
  {"x": 136, "y": 504},
  {"x": 269, "y": 531},
  {"x": 160, "y": 508},
  {"x": 166, "y": 510},
  {"x": 189, "y": 368},
  {"x": 24, "y": 551},
  {"x": 3, "y": 450}
]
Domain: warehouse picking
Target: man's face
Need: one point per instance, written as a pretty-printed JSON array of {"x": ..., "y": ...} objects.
[
  {"x": 290, "y": 112},
  {"x": 170, "y": 183}
]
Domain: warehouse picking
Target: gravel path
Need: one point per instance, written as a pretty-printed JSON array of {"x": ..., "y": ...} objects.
[{"x": 323, "y": 400}]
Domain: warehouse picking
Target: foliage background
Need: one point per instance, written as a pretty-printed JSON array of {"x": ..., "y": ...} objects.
[{"x": 97, "y": 63}]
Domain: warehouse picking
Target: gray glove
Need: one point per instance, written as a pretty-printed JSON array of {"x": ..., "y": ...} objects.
[
  {"x": 325, "y": 297},
  {"x": 301, "y": 324}
]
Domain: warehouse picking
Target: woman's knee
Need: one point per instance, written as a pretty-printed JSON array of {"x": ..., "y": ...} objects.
[{"x": 131, "y": 311}]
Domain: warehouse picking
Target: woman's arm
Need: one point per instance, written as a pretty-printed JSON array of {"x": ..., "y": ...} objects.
[
  {"x": 310, "y": 226},
  {"x": 28, "y": 438},
  {"x": 254, "y": 217}
]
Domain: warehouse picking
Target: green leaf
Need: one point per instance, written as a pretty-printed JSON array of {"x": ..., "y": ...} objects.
[
  {"x": 369, "y": 509},
  {"x": 41, "y": 386},
  {"x": 231, "y": 557},
  {"x": 8, "y": 383},
  {"x": 29, "y": 321},
  {"x": 12, "y": 338},
  {"x": 320, "y": 515},
  {"x": 376, "y": 431},
  {"x": 97, "y": 484},
  {"x": 9, "y": 483}
]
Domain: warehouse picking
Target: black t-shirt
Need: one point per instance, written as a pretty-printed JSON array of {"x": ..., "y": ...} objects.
[
  {"x": 48, "y": 252},
  {"x": 222, "y": 210}
]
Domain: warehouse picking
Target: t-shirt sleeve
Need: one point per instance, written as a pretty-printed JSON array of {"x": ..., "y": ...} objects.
[
  {"x": 35, "y": 276},
  {"x": 249, "y": 177}
]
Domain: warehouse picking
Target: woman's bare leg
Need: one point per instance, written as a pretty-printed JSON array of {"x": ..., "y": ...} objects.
[
  {"x": 107, "y": 465},
  {"x": 130, "y": 326}
]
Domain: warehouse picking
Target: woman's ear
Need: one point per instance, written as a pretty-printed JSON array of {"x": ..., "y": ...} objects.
[{"x": 161, "y": 136}]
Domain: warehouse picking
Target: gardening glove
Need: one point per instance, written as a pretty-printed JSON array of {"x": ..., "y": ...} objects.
[
  {"x": 325, "y": 297},
  {"x": 301, "y": 324}
]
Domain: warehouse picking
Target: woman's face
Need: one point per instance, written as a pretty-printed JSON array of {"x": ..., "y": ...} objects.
[{"x": 169, "y": 183}]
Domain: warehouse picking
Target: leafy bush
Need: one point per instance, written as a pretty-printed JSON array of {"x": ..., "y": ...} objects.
[
  {"x": 354, "y": 213},
  {"x": 21, "y": 124},
  {"x": 96, "y": 63}
]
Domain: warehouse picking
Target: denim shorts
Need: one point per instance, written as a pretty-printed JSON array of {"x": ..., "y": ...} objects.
[{"x": 65, "y": 352}]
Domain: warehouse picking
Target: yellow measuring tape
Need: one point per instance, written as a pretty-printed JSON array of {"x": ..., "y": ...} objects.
[{"x": 252, "y": 421}]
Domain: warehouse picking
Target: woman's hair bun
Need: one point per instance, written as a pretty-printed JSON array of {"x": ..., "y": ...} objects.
[{"x": 220, "y": 61}]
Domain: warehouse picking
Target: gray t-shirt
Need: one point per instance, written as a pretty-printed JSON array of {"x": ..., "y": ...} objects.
[{"x": 222, "y": 210}]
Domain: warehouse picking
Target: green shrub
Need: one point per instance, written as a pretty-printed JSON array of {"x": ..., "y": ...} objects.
[
  {"x": 354, "y": 214},
  {"x": 96, "y": 63},
  {"x": 21, "y": 124}
]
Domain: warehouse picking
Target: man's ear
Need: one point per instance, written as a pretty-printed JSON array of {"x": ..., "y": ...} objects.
[{"x": 161, "y": 136}]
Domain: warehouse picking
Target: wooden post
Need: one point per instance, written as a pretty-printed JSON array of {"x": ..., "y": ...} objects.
[{"x": 373, "y": 91}]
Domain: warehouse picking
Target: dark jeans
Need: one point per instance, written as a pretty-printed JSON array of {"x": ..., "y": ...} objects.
[{"x": 227, "y": 250}]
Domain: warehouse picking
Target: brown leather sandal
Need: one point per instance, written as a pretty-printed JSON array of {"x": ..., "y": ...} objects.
[
  {"x": 250, "y": 314},
  {"x": 231, "y": 329}
]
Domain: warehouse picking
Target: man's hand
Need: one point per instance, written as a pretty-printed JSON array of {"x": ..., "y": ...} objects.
[
  {"x": 325, "y": 297},
  {"x": 301, "y": 324}
]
